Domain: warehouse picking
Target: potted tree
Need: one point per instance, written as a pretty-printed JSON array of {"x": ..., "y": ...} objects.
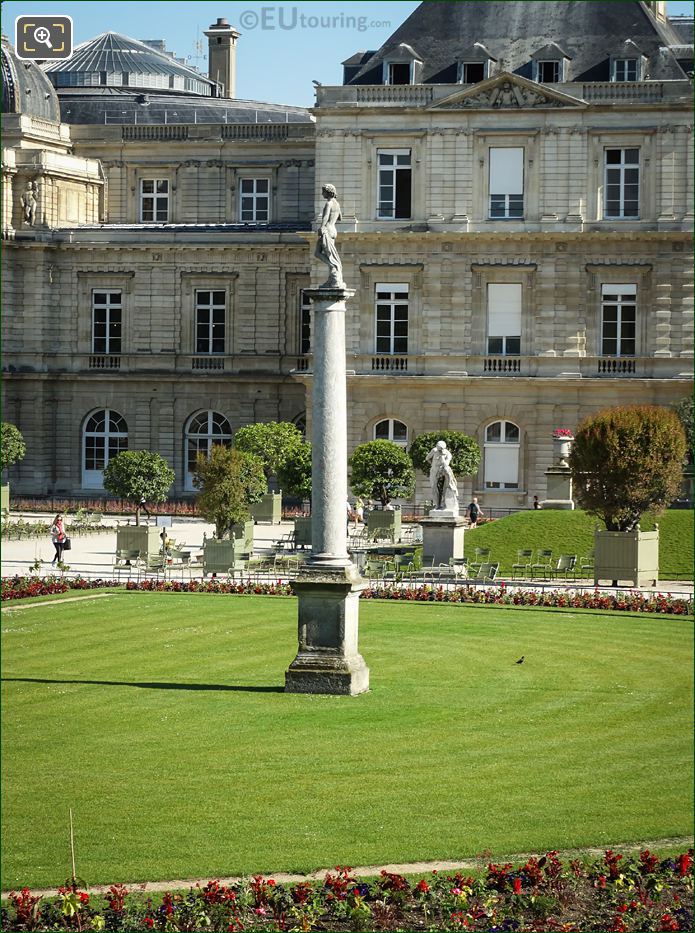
[
  {"x": 13, "y": 450},
  {"x": 625, "y": 462},
  {"x": 382, "y": 470},
  {"x": 294, "y": 477},
  {"x": 274, "y": 443},
  {"x": 138, "y": 475},
  {"x": 229, "y": 481}
]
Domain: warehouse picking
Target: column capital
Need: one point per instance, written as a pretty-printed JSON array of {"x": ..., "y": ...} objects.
[{"x": 329, "y": 294}]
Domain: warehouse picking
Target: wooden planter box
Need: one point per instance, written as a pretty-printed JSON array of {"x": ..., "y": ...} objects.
[
  {"x": 5, "y": 496},
  {"x": 269, "y": 509},
  {"x": 302, "y": 532},
  {"x": 219, "y": 556},
  {"x": 387, "y": 519},
  {"x": 243, "y": 535},
  {"x": 626, "y": 556},
  {"x": 143, "y": 538}
]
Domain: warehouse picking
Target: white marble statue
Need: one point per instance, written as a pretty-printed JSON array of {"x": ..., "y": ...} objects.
[
  {"x": 325, "y": 247},
  {"x": 442, "y": 480}
]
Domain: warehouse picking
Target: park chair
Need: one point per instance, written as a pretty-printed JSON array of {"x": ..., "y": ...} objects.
[
  {"x": 482, "y": 556},
  {"x": 455, "y": 571},
  {"x": 178, "y": 559},
  {"x": 128, "y": 561},
  {"x": 487, "y": 572},
  {"x": 524, "y": 560},
  {"x": 375, "y": 571},
  {"x": 565, "y": 567},
  {"x": 543, "y": 565},
  {"x": 586, "y": 565},
  {"x": 154, "y": 564},
  {"x": 239, "y": 569}
]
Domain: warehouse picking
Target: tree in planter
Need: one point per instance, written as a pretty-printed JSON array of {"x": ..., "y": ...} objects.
[
  {"x": 136, "y": 475},
  {"x": 465, "y": 452},
  {"x": 229, "y": 481},
  {"x": 274, "y": 443},
  {"x": 294, "y": 476},
  {"x": 381, "y": 470},
  {"x": 627, "y": 461},
  {"x": 13, "y": 447}
]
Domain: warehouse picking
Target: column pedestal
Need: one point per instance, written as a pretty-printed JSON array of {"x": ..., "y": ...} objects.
[
  {"x": 559, "y": 488},
  {"x": 328, "y": 586},
  {"x": 442, "y": 538}
]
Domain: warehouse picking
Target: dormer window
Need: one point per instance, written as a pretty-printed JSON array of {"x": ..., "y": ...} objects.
[
  {"x": 399, "y": 73},
  {"x": 472, "y": 72},
  {"x": 625, "y": 69},
  {"x": 549, "y": 72}
]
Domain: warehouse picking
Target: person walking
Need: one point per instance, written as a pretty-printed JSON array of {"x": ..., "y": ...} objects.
[
  {"x": 473, "y": 512},
  {"x": 58, "y": 538},
  {"x": 143, "y": 506},
  {"x": 536, "y": 503}
]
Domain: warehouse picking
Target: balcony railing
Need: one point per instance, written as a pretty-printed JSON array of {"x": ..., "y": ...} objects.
[
  {"x": 391, "y": 364},
  {"x": 616, "y": 366},
  {"x": 103, "y": 361},
  {"x": 207, "y": 363},
  {"x": 502, "y": 365}
]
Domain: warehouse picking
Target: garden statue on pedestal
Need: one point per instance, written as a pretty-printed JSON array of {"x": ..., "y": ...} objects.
[
  {"x": 325, "y": 247},
  {"x": 442, "y": 480}
]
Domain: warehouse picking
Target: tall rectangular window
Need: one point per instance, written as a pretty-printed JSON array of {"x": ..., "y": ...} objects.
[
  {"x": 621, "y": 199},
  {"x": 549, "y": 72},
  {"x": 624, "y": 69},
  {"x": 391, "y": 318},
  {"x": 304, "y": 323},
  {"x": 504, "y": 319},
  {"x": 154, "y": 200},
  {"x": 395, "y": 184},
  {"x": 618, "y": 320},
  {"x": 506, "y": 183},
  {"x": 210, "y": 313},
  {"x": 107, "y": 322},
  {"x": 398, "y": 72},
  {"x": 254, "y": 200}
]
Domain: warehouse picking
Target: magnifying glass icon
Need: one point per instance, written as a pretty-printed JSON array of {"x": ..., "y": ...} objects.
[{"x": 43, "y": 35}]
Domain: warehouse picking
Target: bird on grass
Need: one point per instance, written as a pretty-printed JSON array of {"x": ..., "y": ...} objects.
[{"x": 521, "y": 659}]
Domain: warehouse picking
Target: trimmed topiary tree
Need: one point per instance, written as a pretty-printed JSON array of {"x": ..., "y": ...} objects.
[
  {"x": 229, "y": 481},
  {"x": 627, "y": 461},
  {"x": 136, "y": 475},
  {"x": 294, "y": 476},
  {"x": 381, "y": 470},
  {"x": 12, "y": 444},
  {"x": 273, "y": 443},
  {"x": 465, "y": 452}
]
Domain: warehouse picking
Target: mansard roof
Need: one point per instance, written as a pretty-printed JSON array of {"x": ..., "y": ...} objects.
[
  {"x": 25, "y": 88},
  {"x": 590, "y": 31}
]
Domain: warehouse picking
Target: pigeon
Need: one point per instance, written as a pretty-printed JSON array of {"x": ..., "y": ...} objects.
[{"x": 521, "y": 659}]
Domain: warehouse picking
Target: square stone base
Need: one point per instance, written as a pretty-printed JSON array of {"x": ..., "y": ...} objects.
[
  {"x": 328, "y": 658},
  {"x": 442, "y": 539}
]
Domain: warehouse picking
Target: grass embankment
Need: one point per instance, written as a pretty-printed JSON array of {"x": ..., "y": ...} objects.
[
  {"x": 573, "y": 533},
  {"x": 162, "y": 723}
]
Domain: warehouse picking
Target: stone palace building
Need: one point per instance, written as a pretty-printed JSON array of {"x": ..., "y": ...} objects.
[{"x": 516, "y": 181}]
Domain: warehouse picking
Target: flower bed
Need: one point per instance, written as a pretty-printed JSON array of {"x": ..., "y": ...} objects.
[
  {"x": 612, "y": 893},
  {"x": 664, "y": 603}
]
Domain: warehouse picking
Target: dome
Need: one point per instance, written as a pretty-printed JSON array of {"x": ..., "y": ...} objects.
[
  {"x": 113, "y": 60},
  {"x": 25, "y": 88}
]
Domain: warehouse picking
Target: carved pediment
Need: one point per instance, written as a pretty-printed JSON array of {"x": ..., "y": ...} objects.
[{"x": 506, "y": 92}]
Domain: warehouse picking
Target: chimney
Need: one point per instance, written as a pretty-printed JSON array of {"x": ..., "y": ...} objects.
[{"x": 222, "y": 55}]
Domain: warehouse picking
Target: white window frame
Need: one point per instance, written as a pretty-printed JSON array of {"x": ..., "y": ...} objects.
[
  {"x": 211, "y": 306},
  {"x": 159, "y": 196},
  {"x": 506, "y": 339},
  {"x": 387, "y": 72},
  {"x": 113, "y": 344},
  {"x": 506, "y": 448},
  {"x": 304, "y": 323},
  {"x": 625, "y": 306},
  {"x": 390, "y": 303},
  {"x": 392, "y": 422},
  {"x": 621, "y": 168},
  {"x": 113, "y": 441},
  {"x": 390, "y": 213},
  {"x": 558, "y": 63},
  {"x": 510, "y": 209},
  {"x": 249, "y": 200},
  {"x": 462, "y": 71},
  {"x": 621, "y": 66},
  {"x": 209, "y": 437}
]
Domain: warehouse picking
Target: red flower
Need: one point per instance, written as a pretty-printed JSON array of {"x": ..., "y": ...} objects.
[{"x": 517, "y": 885}]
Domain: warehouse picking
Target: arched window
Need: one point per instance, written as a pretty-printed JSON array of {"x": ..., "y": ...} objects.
[
  {"x": 203, "y": 430},
  {"x": 300, "y": 423},
  {"x": 105, "y": 435},
  {"x": 391, "y": 430},
  {"x": 502, "y": 455}
]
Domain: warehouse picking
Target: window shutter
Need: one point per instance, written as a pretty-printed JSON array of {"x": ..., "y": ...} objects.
[
  {"x": 504, "y": 309},
  {"x": 506, "y": 171},
  {"x": 501, "y": 463}
]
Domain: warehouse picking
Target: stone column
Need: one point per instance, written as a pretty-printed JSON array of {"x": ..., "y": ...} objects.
[{"x": 328, "y": 586}]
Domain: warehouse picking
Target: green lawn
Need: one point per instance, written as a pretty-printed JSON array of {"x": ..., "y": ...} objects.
[
  {"x": 160, "y": 720},
  {"x": 573, "y": 533}
]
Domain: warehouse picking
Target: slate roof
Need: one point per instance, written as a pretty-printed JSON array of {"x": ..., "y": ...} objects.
[
  {"x": 513, "y": 30},
  {"x": 25, "y": 88}
]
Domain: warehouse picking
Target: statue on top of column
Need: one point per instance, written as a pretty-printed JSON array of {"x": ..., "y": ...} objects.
[{"x": 325, "y": 247}]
